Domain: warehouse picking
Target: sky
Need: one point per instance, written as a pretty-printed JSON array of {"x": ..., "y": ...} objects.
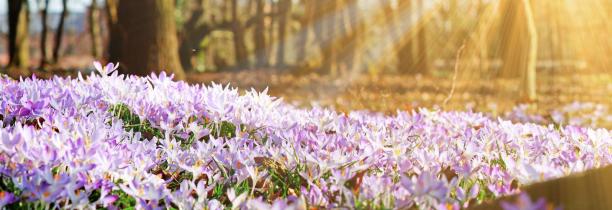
[{"x": 54, "y": 5}]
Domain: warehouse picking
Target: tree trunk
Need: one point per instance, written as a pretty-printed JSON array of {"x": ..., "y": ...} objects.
[
  {"x": 240, "y": 51},
  {"x": 271, "y": 31},
  {"x": 513, "y": 39},
  {"x": 483, "y": 47},
  {"x": 301, "y": 42},
  {"x": 113, "y": 50},
  {"x": 423, "y": 59},
  {"x": 344, "y": 39},
  {"x": 405, "y": 55},
  {"x": 529, "y": 82},
  {"x": 19, "y": 53},
  {"x": 284, "y": 9},
  {"x": 259, "y": 36},
  {"x": 190, "y": 36},
  {"x": 149, "y": 42},
  {"x": 586, "y": 190},
  {"x": 356, "y": 24},
  {"x": 328, "y": 44},
  {"x": 319, "y": 24},
  {"x": 43, "y": 36},
  {"x": 390, "y": 20},
  {"x": 519, "y": 45},
  {"x": 94, "y": 30},
  {"x": 60, "y": 31}
]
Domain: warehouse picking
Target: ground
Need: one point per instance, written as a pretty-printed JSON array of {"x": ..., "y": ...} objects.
[{"x": 389, "y": 92}]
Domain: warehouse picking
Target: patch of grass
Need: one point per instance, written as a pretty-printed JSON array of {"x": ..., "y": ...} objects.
[
  {"x": 218, "y": 191},
  {"x": 243, "y": 187},
  {"x": 500, "y": 162},
  {"x": 131, "y": 121},
  {"x": 94, "y": 196},
  {"x": 7, "y": 185},
  {"x": 125, "y": 201},
  {"x": 223, "y": 129},
  {"x": 284, "y": 182},
  {"x": 178, "y": 178}
]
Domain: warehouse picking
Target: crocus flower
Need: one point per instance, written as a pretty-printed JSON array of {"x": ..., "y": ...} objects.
[
  {"x": 419, "y": 158},
  {"x": 6, "y": 198},
  {"x": 106, "y": 70},
  {"x": 523, "y": 202}
]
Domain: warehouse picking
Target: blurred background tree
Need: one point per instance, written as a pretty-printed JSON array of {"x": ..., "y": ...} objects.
[
  {"x": 148, "y": 38},
  {"x": 18, "y": 43},
  {"x": 334, "y": 47}
]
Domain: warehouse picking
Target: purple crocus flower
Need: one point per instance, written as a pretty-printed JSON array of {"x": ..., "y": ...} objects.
[
  {"x": 31, "y": 108},
  {"x": 6, "y": 198},
  {"x": 106, "y": 70},
  {"x": 523, "y": 202},
  {"x": 342, "y": 158}
]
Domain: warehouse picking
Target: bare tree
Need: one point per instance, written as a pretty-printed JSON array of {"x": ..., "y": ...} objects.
[
  {"x": 94, "y": 30},
  {"x": 325, "y": 29},
  {"x": 148, "y": 37},
  {"x": 18, "y": 37},
  {"x": 318, "y": 26},
  {"x": 405, "y": 53},
  {"x": 59, "y": 33},
  {"x": 529, "y": 82},
  {"x": 422, "y": 65},
  {"x": 356, "y": 24},
  {"x": 482, "y": 38},
  {"x": 240, "y": 51},
  {"x": 195, "y": 29},
  {"x": 191, "y": 34},
  {"x": 301, "y": 42},
  {"x": 284, "y": 8},
  {"x": 272, "y": 8},
  {"x": 113, "y": 51},
  {"x": 519, "y": 45},
  {"x": 43, "y": 35},
  {"x": 259, "y": 36},
  {"x": 346, "y": 40},
  {"x": 390, "y": 20}
]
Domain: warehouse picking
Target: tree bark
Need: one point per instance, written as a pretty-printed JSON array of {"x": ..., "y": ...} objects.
[
  {"x": 240, "y": 51},
  {"x": 94, "y": 30},
  {"x": 530, "y": 74},
  {"x": 259, "y": 36},
  {"x": 513, "y": 43},
  {"x": 319, "y": 24},
  {"x": 43, "y": 36},
  {"x": 113, "y": 50},
  {"x": 59, "y": 34},
  {"x": 390, "y": 20},
  {"x": 344, "y": 39},
  {"x": 328, "y": 43},
  {"x": 422, "y": 65},
  {"x": 356, "y": 24},
  {"x": 284, "y": 8},
  {"x": 269, "y": 49},
  {"x": 483, "y": 47},
  {"x": 191, "y": 35},
  {"x": 587, "y": 190},
  {"x": 405, "y": 55},
  {"x": 519, "y": 46},
  {"x": 18, "y": 38},
  {"x": 148, "y": 37},
  {"x": 301, "y": 42}
]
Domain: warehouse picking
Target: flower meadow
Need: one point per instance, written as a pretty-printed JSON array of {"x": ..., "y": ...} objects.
[
  {"x": 583, "y": 114},
  {"x": 116, "y": 141}
]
